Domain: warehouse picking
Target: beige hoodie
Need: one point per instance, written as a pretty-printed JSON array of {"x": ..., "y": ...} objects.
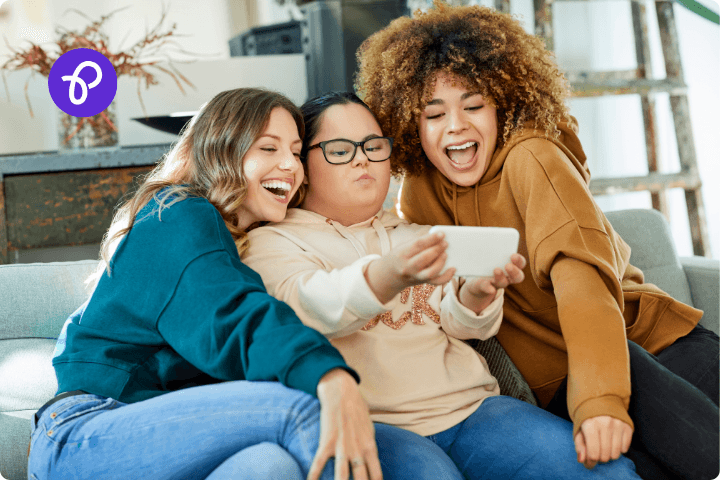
[{"x": 416, "y": 371}]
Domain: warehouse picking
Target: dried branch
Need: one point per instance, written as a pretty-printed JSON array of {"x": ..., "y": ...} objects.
[{"x": 137, "y": 61}]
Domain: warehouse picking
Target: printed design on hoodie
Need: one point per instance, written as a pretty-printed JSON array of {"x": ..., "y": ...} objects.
[{"x": 420, "y": 295}]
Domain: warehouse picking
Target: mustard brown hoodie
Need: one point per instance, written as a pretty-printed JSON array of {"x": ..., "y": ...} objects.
[{"x": 581, "y": 298}]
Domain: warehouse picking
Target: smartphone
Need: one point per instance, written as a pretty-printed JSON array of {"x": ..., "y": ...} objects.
[{"x": 477, "y": 251}]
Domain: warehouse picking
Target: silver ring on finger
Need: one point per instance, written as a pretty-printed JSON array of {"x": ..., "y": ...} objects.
[{"x": 357, "y": 462}]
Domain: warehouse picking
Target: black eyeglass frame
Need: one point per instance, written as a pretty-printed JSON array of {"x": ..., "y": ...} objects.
[{"x": 321, "y": 145}]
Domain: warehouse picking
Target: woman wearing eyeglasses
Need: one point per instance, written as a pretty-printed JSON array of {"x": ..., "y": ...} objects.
[{"x": 376, "y": 286}]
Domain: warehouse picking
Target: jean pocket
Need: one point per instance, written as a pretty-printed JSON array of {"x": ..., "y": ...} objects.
[{"x": 76, "y": 406}]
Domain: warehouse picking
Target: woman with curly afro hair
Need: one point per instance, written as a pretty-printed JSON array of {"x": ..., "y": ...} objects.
[{"x": 483, "y": 138}]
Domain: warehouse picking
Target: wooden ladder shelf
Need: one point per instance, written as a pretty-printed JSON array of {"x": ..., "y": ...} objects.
[{"x": 639, "y": 81}]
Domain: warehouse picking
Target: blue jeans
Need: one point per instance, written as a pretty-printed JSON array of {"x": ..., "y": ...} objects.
[
  {"x": 226, "y": 430},
  {"x": 506, "y": 438},
  {"x": 265, "y": 460}
]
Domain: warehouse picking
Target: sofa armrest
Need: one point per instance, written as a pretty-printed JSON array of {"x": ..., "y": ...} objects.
[{"x": 703, "y": 275}]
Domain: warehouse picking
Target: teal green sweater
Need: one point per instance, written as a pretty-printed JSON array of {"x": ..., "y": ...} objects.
[{"x": 179, "y": 310}]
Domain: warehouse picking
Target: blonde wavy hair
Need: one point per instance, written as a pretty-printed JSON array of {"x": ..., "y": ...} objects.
[
  {"x": 205, "y": 162},
  {"x": 489, "y": 51}
]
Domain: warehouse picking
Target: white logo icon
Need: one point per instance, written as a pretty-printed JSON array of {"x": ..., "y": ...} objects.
[{"x": 73, "y": 79}]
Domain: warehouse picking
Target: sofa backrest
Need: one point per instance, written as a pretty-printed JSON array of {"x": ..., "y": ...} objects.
[
  {"x": 653, "y": 251},
  {"x": 36, "y": 299}
]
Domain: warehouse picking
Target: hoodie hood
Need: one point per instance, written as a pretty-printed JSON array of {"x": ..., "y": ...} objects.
[
  {"x": 302, "y": 216},
  {"x": 434, "y": 185},
  {"x": 568, "y": 141},
  {"x": 381, "y": 223}
]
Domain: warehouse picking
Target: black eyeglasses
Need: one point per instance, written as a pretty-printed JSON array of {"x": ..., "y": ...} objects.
[{"x": 341, "y": 151}]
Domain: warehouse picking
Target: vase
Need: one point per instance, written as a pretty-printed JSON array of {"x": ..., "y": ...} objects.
[{"x": 75, "y": 133}]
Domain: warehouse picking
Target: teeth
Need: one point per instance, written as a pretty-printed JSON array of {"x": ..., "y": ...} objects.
[
  {"x": 461, "y": 147},
  {"x": 278, "y": 185}
]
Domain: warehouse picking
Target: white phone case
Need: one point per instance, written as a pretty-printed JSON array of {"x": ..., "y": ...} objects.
[{"x": 477, "y": 251}]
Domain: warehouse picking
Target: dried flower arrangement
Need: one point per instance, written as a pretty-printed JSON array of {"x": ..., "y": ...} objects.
[{"x": 138, "y": 61}]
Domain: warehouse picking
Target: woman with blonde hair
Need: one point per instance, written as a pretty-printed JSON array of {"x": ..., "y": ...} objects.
[
  {"x": 484, "y": 138},
  {"x": 180, "y": 365}
]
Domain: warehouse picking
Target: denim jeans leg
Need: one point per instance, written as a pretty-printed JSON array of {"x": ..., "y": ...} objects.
[
  {"x": 694, "y": 357},
  {"x": 206, "y": 430},
  {"x": 506, "y": 438},
  {"x": 182, "y": 434},
  {"x": 265, "y": 460},
  {"x": 403, "y": 455},
  {"x": 407, "y": 455}
]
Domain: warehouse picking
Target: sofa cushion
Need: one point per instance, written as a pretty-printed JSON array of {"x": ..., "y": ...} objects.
[
  {"x": 653, "y": 250},
  {"x": 27, "y": 382},
  {"x": 703, "y": 275},
  {"x": 15, "y": 428},
  {"x": 35, "y": 301},
  {"x": 510, "y": 380},
  {"x": 28, "y": 378},
  {"x": 37, "y": 298}
]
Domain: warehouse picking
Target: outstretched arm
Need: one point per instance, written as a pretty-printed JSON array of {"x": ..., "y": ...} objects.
[
  {"x": 603, "y": 431},
  {"x": 334, "y": 301},
  {"x": 575, "y": 255}
]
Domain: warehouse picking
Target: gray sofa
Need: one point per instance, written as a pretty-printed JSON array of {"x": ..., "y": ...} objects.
[{"x": 35, "y": 300}]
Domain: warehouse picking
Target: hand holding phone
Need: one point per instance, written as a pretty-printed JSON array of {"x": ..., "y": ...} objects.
[
  {"x": 477, "y": 293},
  {"x": 416, "y": 262}
]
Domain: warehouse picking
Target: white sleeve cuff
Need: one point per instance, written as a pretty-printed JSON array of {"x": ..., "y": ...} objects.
[
  {"x": 464, "y": 321},
  {"x": 342, "y": 296}
]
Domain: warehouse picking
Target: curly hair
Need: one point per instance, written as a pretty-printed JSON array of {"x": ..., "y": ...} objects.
[
  {"x": 205, "y": 162},
  {"x": 489, "y": 51}
]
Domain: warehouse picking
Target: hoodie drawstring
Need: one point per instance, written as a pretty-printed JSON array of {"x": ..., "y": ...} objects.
[
  {"x": 347, "y": 234},
  {"x": 455, "y": 205},
  {"x": 382, "y": 234},
  {"x": 455, "y": 209},
  {"x": 359, "y": 248}
]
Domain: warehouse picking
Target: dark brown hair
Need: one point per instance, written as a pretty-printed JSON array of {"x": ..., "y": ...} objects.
[{"x": 313, "y": 112}]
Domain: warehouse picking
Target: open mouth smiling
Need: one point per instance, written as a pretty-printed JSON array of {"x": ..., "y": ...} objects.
[
  {"x": 277, "y": 188},
  {"x": 461, "y": 154}
]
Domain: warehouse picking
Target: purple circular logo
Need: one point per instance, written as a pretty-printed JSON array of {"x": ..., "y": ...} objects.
[{"x": 82, "y": 82}]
